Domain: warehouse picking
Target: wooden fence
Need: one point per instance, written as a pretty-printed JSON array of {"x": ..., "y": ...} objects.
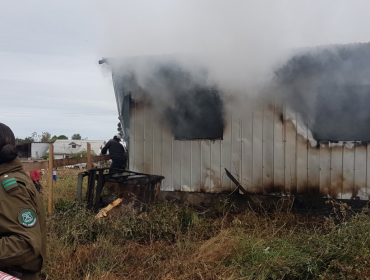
[{"x": 51, "y": 163}]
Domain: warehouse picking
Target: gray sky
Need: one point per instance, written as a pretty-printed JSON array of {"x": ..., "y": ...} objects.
[{"x": 50, "y": 79}]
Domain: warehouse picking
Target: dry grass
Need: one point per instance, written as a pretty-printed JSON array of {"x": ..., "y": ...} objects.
[{"x": 171, "y": 241}]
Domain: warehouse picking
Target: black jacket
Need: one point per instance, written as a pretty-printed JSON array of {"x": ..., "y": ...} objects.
[{"x": 116, "y": 150}]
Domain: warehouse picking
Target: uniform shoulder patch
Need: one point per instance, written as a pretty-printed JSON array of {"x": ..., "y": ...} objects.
[
  {"x": 8, "y": 182},
  {"x": 27, "y": 217}
]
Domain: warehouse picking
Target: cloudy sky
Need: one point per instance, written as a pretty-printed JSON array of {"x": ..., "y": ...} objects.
[{"x": 50, "y": 79}]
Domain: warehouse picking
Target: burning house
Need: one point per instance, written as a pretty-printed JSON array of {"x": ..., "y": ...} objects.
[{"x": 305, "y": 133}]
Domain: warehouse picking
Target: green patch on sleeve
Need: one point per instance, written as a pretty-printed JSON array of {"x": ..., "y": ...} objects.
[{"x": 27, "y": 217}]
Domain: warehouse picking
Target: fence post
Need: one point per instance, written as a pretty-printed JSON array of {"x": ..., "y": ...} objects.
[
  {"x": 89, "y": 164},
  {"x": 51, "y": 158}
]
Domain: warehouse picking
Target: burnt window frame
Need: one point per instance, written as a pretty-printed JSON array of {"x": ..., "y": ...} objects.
[{"x": 187, "y": 125}]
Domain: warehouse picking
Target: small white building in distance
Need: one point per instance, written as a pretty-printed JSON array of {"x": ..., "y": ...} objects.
[{"x": 64, "y": 148}]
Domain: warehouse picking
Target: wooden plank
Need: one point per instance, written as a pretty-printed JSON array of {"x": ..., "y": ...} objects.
[
  {"x": 30, "y": 166},
  {"x": 103, "y": 212},
  {"x": 89, "y": 163}
]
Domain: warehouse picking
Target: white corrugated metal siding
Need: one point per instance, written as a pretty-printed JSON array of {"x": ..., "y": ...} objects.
[{"x": 267, "y": 149}]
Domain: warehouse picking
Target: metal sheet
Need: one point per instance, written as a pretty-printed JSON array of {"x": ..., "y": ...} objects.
[
  {"x": 157, "y": 148},
  {"x": 262, "y": 149},
  {"x": 185, "y": 165},
  {"x": 132, "y": 138},
  {"x": 360, "y": 191},
  {"x": 268, "y": 149},
  {"x": 257, "y": 186},
  {"x": 313, "y": 176},
  {"x": 279, "y": 156},
  {"x": 226, "y": 151},
  {"x": 325, "y": 173},
  {"x": 148, "y": 164},
  {"x": 348, "y": 171},
  {"x": 176, "y": 164},
  {"x": 207, "y": 183},
  {"x": 139, "y": 139},
  {"x": 302, "y": 161},
  {"x": 216, "y": 171},
  {"x": 236, "y": 148},
  {"x": 196, "y": 156},
  {"x": 247, "y": 150},
  {"x": 367, "y": 170},
  {"x": 167, "y": 149},
  {"x": 290, "y": 157},
  {"x": 336, "y": 165}
]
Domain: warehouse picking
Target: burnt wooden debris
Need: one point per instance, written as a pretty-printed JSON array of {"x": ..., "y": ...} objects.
[{"x": 104, "y": 187}]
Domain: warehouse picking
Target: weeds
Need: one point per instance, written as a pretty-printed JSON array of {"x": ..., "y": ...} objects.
[{"x": 171, "y": 241}]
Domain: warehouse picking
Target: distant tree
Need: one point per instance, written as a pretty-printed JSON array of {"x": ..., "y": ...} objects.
[
  {"x": 61, "y": 137},
  {"x": 20, "y": 141},
  {"x": 76, "y": 136},
  {"x": 45, "y": 137},
  {"x": 35, "y": 136}
]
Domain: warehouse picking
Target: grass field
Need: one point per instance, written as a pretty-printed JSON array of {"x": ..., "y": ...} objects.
[{"x": 170, "y": 241}]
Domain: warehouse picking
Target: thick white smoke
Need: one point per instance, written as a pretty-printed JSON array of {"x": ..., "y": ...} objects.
[{"x": 241, "y": 42}]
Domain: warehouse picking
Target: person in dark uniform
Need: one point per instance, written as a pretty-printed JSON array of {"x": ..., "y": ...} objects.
[
  {"x": 22, "y": 217},
  {"x": 117, "y": 154}
]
